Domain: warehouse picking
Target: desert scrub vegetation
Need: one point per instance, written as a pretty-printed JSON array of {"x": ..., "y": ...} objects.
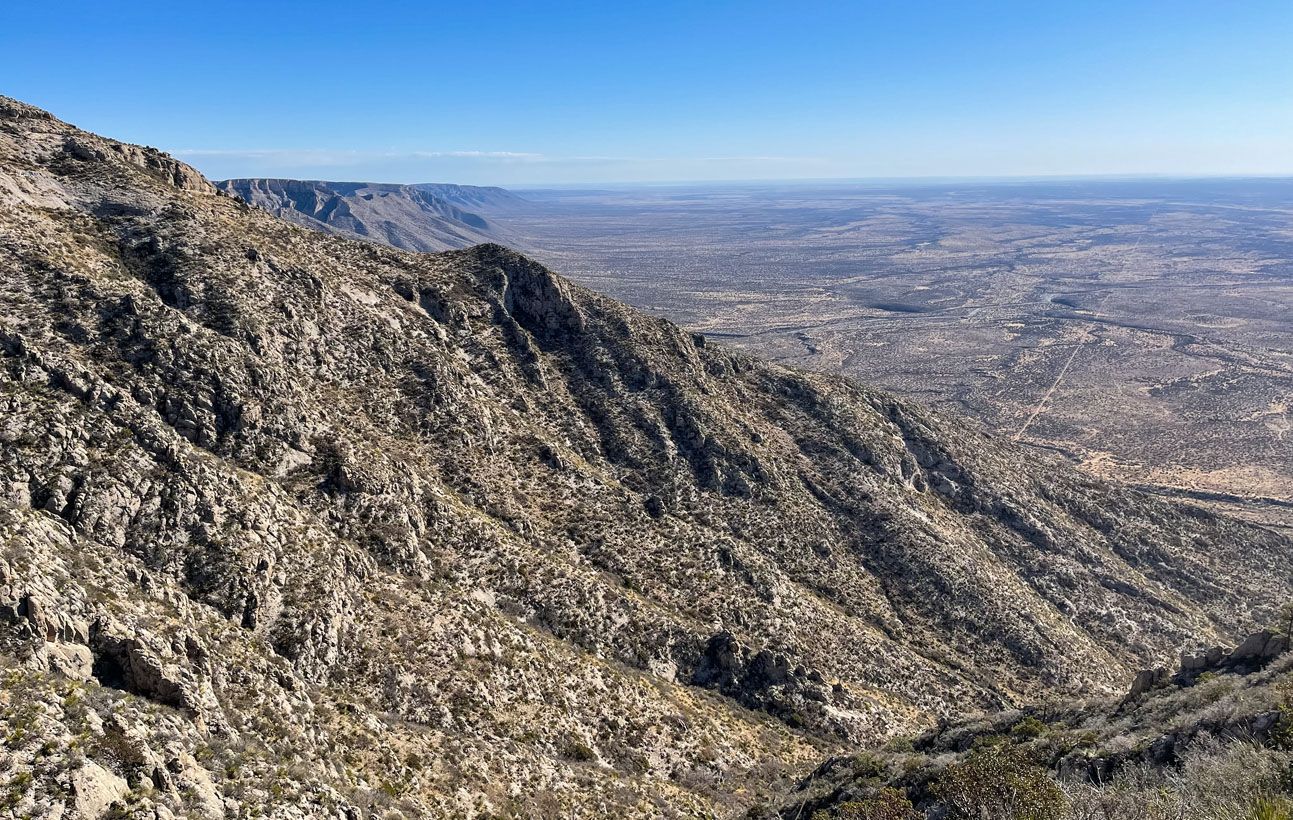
[
  {"x": 887, "y": 804},
  {"x": 1215, "y": 781},
  {"x": 999, "y": 782},
  {"x": 1219, "y": 747}
]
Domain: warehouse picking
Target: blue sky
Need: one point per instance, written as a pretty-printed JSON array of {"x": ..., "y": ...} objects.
[{"x": 534, "y": 93}]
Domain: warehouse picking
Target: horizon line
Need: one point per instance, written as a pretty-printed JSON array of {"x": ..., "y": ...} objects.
[{"x": 930, "y": 179}]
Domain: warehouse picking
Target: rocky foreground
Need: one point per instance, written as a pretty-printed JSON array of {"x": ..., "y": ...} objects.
[
  {"x": 301, "y": 525},
  {"x": 1212, "y": 740}
]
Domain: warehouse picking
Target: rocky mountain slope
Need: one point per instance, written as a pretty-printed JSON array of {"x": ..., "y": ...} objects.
[
  {"x": 301, "y": 523},
  {"x": 429, "y": 217}
]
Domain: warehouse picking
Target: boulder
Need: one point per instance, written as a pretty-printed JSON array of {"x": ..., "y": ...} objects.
[
  {"x": 1193, "y": 663},
  {"x": 1250, "y": 649},
  {"x": 1276, "y": 646},
  {"x": 1163, "y": 750},
  {"x": 31, "y": 608},
  {"x": 197, "y": 785},
  {"x": 95, "y": 789},
  {"x": 72, "y": 661},
  {"x": 1265, "y": 722},
  {"x": 1146, "y": 680},
  {"x": 721, "y": 663}
]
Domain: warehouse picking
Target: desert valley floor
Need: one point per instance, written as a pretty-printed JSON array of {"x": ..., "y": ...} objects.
[{"x": 1141, "y": 329}]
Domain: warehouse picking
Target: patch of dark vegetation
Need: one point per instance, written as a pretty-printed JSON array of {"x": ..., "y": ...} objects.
[{"x": 899, "y": 307}]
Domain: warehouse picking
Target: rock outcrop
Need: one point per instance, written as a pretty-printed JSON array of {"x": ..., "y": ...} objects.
[{"x": 1252, "y": 654}]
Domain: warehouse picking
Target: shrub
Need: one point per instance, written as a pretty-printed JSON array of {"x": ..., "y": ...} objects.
[
  {"x": 1277, "y": 808},
  {"x": 903, "y": 743},
  {"x": 867, "y": 766},
  {"x": 1000, "y": 784},
  {"x": 888, "y": 804},
  {"x": 1282, "y": 732},
  {"x": 1028, "y": 728},
  {"x": 578, "y": 750},
  {"x": 1216, "y": 781}
]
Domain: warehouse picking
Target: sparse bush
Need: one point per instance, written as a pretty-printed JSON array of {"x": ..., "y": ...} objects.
[
  {"x": 1273, "y": 808},
  {"x": 1234, "y": 781},
  {"x": 1028, "y": 728},
  {"x": 901, "y": 743},
  {"x": 867, "y": 766},
  {"x": 888, "y": 804},
  {"x": 1000, "y": 784},
  {"x": 578, "y": 750},
  {"x": 1282, "y": 733},
  {"x": 990, "y": 742},
  {"x": 1284, "y": 622}
]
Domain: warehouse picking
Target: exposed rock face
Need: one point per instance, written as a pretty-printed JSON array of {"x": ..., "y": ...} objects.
[
  {"x": 449, "y": 535},
  {"x": 428, "y": 217},
  {"x": 1145, "y": 680},
  {"x": 764, "y": 680}
]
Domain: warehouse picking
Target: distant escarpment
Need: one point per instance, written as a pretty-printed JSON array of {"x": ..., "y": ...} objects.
[
  {"x": 328, "y": 529},
  {"x": 427, "y": 217}
]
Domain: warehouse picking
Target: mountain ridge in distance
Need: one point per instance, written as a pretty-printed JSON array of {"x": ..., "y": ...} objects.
[
  {"x": 417, "y": 217},
  {"x": 331, "y": 529}
]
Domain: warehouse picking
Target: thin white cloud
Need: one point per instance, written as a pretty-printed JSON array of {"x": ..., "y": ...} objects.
[
  {"x": 525, "y": 155},
  {"x": 325, "y": 156},
  {"x": 760, "y": 159}
]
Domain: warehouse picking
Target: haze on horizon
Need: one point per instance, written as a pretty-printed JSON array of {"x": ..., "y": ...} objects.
[{"x": 574, "y": 93}]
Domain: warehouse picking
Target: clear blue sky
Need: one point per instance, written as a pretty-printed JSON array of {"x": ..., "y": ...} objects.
[{"x": 533, "y": 92}]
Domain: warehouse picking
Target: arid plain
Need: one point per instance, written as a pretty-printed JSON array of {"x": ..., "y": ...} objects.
[{"x": 1142, "y": 329}]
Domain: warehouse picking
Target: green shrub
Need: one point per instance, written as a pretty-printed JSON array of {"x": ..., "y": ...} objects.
[
  {"x": 904, "y": 743},
  {"x": 867, "y": 766},
  {"x": 1282, "y": 732},
  {"x": 1001, "y": 784},
  {"x": 1028, "y": 728},
  {"x": 578, "y": 750},
  {"x": 889, "y": 804},
  {"x": 987, "y": 742}
]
